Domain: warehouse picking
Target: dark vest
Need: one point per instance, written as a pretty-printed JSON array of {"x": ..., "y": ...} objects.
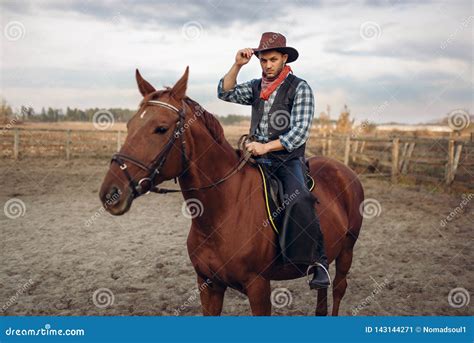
[{"x": 278, "y": 116}]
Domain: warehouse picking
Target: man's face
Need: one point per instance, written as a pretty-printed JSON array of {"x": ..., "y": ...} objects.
[{"x": 272, "y": 62}]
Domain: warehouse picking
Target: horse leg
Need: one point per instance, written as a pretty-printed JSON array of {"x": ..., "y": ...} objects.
[
  {"x": 343, "y": 264},
  {"x": 322, "y": 305},
  {"x": 212, "y": 297},
  {"x": 258, "y": 291}
]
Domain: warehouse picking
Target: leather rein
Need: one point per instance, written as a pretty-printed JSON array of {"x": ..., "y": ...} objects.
[{"x": 147, "y": 184}]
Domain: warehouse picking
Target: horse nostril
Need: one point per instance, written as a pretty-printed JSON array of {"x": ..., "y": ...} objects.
[{"x": 113, "y": 196}]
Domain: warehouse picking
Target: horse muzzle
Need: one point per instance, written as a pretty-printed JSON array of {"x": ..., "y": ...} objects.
[{"x": 115, "y": 200}]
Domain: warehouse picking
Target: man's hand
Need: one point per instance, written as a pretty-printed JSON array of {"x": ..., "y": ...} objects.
[
  {"x": 243, "y": 56},
  {"x": 256, "y": 148}
]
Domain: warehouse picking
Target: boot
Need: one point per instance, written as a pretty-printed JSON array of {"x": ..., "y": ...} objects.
[{"x": 321, "y": 278}]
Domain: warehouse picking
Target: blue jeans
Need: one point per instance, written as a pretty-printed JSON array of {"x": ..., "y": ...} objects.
[{"x": 290, "y": 172}]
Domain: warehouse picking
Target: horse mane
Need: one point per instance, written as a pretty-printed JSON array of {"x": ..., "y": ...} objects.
[{"x": 209, "y": 120}]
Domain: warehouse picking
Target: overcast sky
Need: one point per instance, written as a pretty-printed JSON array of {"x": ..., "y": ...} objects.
[{"x": 405, "y": 61}]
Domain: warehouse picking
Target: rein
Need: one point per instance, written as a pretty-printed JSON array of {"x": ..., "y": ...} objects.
[
  {"x": 246, "y": 158},
  {"x": 147, "y": 184}
]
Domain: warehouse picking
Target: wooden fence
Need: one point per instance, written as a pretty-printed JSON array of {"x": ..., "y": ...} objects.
[
  {"x": 422, "y": 159},
  {"x": 30, "y": 143}
]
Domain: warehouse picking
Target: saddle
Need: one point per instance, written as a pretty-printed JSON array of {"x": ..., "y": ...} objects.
[{"x": 275, "y": 201}]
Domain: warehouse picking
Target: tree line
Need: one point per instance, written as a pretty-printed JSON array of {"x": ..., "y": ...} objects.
[{"x": 27, "y": 113}]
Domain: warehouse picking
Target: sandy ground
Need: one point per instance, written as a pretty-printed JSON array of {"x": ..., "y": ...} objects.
[{"x": 63, "y": 249}]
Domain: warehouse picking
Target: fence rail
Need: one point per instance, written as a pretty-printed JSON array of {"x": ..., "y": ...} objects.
[
  {"x": 424, "y": 159},
  {"x": 421, "y": 159}
]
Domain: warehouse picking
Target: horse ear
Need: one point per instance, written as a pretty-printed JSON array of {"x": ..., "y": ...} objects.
[
  {"x": 179, "y": 89},
  {"x": 143, "y": 85}
]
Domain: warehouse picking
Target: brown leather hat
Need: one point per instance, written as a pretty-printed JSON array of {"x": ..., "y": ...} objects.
[{"x": 276, "y": 41}]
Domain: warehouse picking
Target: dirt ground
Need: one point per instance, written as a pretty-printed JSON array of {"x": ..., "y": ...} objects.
[{"x": 61, "y": 254}]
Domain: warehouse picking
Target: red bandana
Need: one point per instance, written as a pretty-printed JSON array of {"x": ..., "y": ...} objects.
[{"x": 270, "y": 84}]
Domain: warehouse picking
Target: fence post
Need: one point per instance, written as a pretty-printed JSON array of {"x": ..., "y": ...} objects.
[
  {"x": 16, "y": 144},
  {"x": 68, "y": 145},
  {"x": 407, "y": 158},
  {"x": 404, "y": 153},
  {"x": 355, "y": 151},
  {"x": 457, "y": 157},
  {"x": 395, "y": 170},
  {"x": 324, "y": 152},
  {"x": 329, "y": 147},
  {"x": 450, "y": 164},
  {"x": 454, "y": 155},
  {"x": 119, "y": 139},
  {"x": 347, "y": 150}
]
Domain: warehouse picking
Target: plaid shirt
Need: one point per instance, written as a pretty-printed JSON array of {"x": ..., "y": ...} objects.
[{"x": 301, "y": 115}]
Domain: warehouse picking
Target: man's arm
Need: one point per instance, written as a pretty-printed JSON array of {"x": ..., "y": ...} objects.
[
  {"x": 257, "y": 148},
  {"x": 228, "y": 89},
  {"x": 242, "y": 58},
  {"x": 274, "y": 145},
  {"x": 301, "y": 118}
]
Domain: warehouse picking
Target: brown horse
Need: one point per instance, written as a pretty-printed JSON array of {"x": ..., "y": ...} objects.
[{"x": 171, "y": 136}]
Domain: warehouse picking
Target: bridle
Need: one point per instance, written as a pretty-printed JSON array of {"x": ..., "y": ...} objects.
[{"x": 154, "y": 168}]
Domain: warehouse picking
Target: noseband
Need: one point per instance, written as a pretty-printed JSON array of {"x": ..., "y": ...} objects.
[{"x": 154, "y": 168}]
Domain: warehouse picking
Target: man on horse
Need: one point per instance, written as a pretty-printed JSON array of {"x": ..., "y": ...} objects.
[{"x": 282, "y": 114}]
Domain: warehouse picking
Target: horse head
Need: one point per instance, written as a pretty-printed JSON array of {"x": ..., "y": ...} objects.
[{"x": 153, "y": 150}]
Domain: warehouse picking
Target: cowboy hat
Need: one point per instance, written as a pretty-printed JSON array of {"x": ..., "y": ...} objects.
[{"x": 276, "y": 41}]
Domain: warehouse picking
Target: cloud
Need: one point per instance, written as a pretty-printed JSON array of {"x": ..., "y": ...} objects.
[{"x": 84, "y": 53}]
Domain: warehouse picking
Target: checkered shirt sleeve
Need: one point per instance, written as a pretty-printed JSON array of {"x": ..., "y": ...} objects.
[{"x": 240, "y": 94}]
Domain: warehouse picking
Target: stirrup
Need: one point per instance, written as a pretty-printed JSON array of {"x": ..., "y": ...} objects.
[{"x": 318, "y": 264}]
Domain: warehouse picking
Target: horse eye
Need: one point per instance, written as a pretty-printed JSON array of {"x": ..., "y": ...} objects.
[{"x": 160, "y": 130}]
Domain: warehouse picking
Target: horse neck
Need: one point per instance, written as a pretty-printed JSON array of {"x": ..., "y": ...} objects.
[{"x": 208, "y": 162}]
